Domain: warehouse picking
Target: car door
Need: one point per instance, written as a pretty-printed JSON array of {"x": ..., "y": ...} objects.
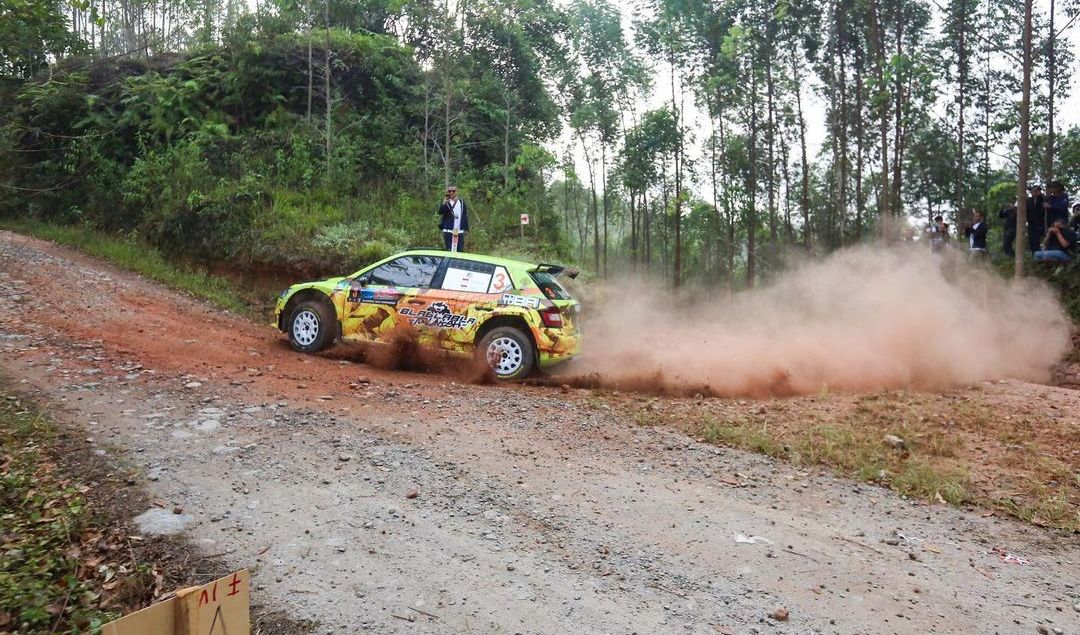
[
  {"x": 385, "y": 297},
  {"x": 461, "y": 294}
]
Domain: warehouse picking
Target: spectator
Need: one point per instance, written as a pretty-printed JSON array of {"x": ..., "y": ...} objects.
[
  {"x": 1036, "y": 217},
  {"x": 939, "y": 235},
  {"x": 1074, "y": 224},
  {"x": 976, "y": 234},
  {"x": 1057, "y": 203},
  {"x": 454, "y": 220},
  {"x": 1059, "y": 244},
  {"x": 1008, "y": 230}
]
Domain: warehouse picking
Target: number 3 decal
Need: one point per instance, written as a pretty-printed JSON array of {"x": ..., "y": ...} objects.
[{"x": 499, "y": 283}]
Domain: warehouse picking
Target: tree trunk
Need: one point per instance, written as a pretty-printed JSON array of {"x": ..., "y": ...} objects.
[
  {"x": 751, "y": 183},
  {"x": 962, "y": 72},
  {"x": 646, "y": 231},
  {"x": 804, "y": 195},
  {"x": 878, "y": 46},
  {"x": 310, "y": 70},
  {"x": 715, "y": 196},
  {"x": 677, "y": 274},
  {"x": 1025, "y": 150},
  {"x": 771, "y": 169},
  {"x": 898, "y": 115},
  {"x": 860, "y": 203},
  {"x": 785, "y": 159},
  {"x": 329, "y": 100},
  {"x": 1051, "y": 74},
  {"x": 506, "y": 141},
  {"x": 842, "y": 174},
  {"x": 603, "y": 184},
  {"x": 633, "y": 232},
  {"x": 596, "y": 224}
]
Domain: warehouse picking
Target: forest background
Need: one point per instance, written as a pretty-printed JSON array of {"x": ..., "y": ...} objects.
[{"x": 672, "y": 138}]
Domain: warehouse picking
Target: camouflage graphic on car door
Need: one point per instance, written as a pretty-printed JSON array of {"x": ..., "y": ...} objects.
[
  {"x": 375, "y": 303},
  {"x": 460, "y": 300}
]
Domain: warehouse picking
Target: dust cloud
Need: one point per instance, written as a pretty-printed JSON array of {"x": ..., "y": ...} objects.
[{"x": 862, "y": 319}]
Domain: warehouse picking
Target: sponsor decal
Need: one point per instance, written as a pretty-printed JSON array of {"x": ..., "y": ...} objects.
[
  {"x": 374, "y": 296},
  {"x": 438, "y": 315},
  {"x": 462, "y": 280},
  {"x": 510, "y": 299}
]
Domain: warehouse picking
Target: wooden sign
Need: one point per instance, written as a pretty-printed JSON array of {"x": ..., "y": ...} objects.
[{"x": 216, "y": 608}]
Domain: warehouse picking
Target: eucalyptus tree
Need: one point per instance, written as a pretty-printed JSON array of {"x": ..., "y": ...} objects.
[
  {"x": 647, "y": 149},
  {"x": 1025, "y": 137},
  {"x": 603, "y": 76}
]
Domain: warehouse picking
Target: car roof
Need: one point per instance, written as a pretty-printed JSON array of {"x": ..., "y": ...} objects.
[{"x": 493, "y": 260}]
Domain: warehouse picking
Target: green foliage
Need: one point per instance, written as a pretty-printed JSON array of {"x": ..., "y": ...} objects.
[
  {"x": 41, "y": 589},
  {"x": 33, "y": 31},
  {"x": 213, "y": 156}
]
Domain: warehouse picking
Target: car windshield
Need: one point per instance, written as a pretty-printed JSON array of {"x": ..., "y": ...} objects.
[{"x": 550, "y": 286}]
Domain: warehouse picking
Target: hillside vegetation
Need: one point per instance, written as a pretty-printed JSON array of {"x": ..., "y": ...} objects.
[
  {"x": 213, "y": 155},
  {"x": 302, "y": 137}
]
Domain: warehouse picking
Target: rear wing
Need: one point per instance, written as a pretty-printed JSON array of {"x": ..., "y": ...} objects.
[{"x": 556, "y": 270}]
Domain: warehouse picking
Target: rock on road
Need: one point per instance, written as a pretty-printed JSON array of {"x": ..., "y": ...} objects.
[{"x": 383, "y": 502}]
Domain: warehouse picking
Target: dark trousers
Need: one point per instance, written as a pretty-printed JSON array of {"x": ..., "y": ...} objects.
[
  {"x": 1035, "y": 237},
  {"x": 1008, "y": 243},
  {"x": 448, "y": 240}
]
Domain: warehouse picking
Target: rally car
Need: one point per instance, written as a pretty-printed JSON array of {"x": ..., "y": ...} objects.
[{"x": 516, "y": 315}]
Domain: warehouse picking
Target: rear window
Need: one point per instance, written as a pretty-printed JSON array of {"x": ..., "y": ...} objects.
[
  {"x": 467, "y": 275},
  {"x": 550, "y": 286}
]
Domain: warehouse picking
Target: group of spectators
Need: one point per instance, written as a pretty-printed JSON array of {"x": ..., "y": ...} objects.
[{"x": 1051, "y": 232}]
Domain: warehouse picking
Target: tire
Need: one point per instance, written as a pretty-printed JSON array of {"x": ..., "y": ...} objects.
[
  {"x": 311, "y": 327},
  {"x": 508, "y": 352}
]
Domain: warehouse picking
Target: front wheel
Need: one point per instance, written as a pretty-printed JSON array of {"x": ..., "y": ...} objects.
[
  {"x": 311, "y": 327},
  {"x": 508, "y": 352}
]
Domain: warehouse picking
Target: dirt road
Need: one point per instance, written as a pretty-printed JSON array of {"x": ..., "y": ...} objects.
[{"x": 383, "y": 502}]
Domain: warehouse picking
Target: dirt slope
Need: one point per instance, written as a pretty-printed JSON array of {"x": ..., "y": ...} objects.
[{"x": 536, "y": 510}]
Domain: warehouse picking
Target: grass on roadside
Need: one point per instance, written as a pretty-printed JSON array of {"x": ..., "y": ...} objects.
[
  {"x": 855, "y": 450},
  {"x": 53, "y": 576},
  {"x": 136, "y": 256},
  {"x": 945, "y": 442}
]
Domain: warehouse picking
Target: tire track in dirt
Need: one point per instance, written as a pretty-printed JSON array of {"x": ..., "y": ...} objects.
[{"x": 539, "y": 510}]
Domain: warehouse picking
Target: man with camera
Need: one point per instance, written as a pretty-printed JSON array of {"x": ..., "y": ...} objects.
[
  {"x": 976, "y": 235},
  {"x": 1059, "y": 244},
  {"x": 454, "y": 220}
]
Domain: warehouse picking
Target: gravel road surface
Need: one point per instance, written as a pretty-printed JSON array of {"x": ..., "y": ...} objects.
[{"x": 386, "y": 502}]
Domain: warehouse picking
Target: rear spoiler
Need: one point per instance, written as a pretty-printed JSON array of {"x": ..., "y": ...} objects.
[{"x": 557, "y": 270}]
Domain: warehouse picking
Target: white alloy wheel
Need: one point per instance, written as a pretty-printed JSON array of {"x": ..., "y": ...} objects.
[
  {"x": 505, "y": 356},
  {"x": 305, "y": 327}
]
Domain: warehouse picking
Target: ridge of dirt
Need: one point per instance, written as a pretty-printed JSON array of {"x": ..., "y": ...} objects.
[{"x": 384, "y": 501}]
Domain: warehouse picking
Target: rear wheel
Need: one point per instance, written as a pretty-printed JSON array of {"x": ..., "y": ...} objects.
[
  {"x": 311, "y": 327},
  {"x": 509, "y": 352}
]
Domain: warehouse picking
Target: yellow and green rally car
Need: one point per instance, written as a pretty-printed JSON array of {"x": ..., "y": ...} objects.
[{"x": 515, "y": 314}]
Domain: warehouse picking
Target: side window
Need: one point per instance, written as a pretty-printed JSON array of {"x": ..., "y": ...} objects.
[
  {"x": 466, "y": 275},
  {"x": 501, "y": 282},
  {"x": 407, "y": 271}
]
